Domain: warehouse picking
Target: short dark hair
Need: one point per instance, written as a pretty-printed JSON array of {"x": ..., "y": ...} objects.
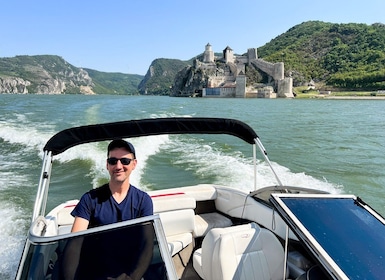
[{"x": 120, "y": 143}]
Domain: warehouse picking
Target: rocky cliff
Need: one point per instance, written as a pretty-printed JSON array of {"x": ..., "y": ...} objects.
[
  {"x": 13, "y": 85},
  {"x": 42, "y": 74},
  {"x": 50, "y": 74}
]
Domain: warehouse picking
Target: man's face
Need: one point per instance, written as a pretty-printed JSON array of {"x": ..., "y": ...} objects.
[{"x": 120, "y": 172}]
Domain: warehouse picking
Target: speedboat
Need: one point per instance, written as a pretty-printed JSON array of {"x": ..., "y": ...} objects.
[{"x": 205, "y": 231}]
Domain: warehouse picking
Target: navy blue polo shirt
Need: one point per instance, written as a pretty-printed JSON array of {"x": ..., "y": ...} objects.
[{"x": 100, "y": 208}]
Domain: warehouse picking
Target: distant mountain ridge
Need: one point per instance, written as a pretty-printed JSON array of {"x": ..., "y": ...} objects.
[
  {"x": 337, "y": 56},
  {"x": 51, "y": 74}
]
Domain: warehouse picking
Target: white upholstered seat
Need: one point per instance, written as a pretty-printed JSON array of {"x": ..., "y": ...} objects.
[
  {"x": 207, "y": 221},
  {"x": 240, "y": 252},
  {"x": 178, "y": 227}
]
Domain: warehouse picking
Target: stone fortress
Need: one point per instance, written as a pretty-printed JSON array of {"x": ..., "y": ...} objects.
[{"x": 231, "y": 81}]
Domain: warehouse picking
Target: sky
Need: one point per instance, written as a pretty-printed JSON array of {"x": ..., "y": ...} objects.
[{"x": 127, "y": 35}]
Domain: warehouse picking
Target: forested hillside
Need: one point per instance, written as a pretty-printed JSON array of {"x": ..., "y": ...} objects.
[
  {"x": 160, "y": 76},
  {"x": 114, "y": 83},
  {"x": 339, "y": 55}
]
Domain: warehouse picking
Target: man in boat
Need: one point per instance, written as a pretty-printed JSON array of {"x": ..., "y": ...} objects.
[
  {"x": 118, "y": 200},
  {"x": 120, "y": 256}
]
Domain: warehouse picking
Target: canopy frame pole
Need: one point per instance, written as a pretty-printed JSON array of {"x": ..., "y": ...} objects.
[
  {"x": 42, "y": 192},
  {"x": 255, "y": 165},
  {"x": 264, "y": 153}
]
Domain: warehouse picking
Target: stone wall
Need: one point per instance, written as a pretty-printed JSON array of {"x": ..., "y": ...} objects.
[{"x": 275, "y": 70}]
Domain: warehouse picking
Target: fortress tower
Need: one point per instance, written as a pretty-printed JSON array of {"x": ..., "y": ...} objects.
[
  {"x": 228, "y": 55},
  {"x": 252, "y": 54},
  {"x": 208, "y": 55}
]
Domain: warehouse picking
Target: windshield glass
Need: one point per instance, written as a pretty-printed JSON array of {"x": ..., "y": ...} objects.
[
  {"x": 345, "y": 228},
  {"x": 133, "y": 250}
]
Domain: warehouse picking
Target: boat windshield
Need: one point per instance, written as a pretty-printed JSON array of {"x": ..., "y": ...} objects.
[
  {"x": 346, "y": 235},
  {"x": 138, "y": 250}
]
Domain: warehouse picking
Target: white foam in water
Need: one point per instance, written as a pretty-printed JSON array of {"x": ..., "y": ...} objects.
[
  {"x": 234, "y": 170},
  {"x": 144, "y": 148},
  {"x": 303, "y": 180},
  {"x": 12, "y": 236},
  {"x": 13, "y": 223},
  {"x": 97, "y": 152},
  {"x": 24, "y": 134}
]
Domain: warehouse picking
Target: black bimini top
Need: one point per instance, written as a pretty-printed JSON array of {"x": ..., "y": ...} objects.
[{"x": 71, "y": 137}]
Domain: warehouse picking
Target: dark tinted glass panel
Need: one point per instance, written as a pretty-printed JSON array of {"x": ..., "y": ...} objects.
[
  {"x": 129, "y": 249},
  {"x": 353, "y": 237}
]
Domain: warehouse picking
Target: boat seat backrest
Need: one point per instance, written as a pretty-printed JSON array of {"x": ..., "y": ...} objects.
[
  {"x": 176, "y": 212},
  {"x": 64, "y": 216},
  {"x": 65, "y": 220},
  {"x": 172, "y": 202},
  {"x": 240, "y": 252},
  {"x": 190, "y": 198},
  {"x": 177, "y": 222}
]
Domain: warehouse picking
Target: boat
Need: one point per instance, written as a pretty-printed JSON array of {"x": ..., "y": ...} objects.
[{"x": 206, "y": 231}]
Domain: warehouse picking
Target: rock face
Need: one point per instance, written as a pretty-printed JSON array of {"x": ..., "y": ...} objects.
[
  {"x": 13, "y": 85},
  {"x": 190, "y": 80},
  {"x": 44, "y": 75}
]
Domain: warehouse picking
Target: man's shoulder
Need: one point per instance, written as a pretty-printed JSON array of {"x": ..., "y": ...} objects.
[
  {"x": 138, "y": 191},
  {"x": 102, "y": 192}
]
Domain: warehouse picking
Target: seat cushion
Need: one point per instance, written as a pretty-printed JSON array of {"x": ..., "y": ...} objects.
[
  {"x": 197, "y": 262},
  {"x": 207, "y": 221},
  {"x": 172, "y": 202},
  {"x": 177, "y": 242},
  {"x": 177, "y": 222},
  {"x": 240, "y": 252},
  {"x": 178, "y": 227}
]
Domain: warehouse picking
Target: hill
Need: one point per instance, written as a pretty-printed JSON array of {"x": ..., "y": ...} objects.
[
  {"x": 114, "y": 83},
  {"x": 52, "y": 74},
  {"x": 349, "y": 56},
  {"x": 161, "y": 75}
]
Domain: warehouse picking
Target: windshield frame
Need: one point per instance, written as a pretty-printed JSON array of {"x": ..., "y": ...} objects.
[
  {"x": 328, "y": 225},
  {"x": 35, "y": 241}
]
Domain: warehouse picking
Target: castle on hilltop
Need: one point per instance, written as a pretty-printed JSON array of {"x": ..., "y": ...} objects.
[{"x": 231, "y": 81}]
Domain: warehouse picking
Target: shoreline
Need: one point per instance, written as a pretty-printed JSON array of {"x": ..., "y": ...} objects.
[
  {"x": 353, "y": 97},
  {"x": 342, "y": 97}
]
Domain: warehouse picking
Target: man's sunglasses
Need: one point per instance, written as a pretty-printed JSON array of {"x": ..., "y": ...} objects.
[{"x": 124, "y": 161}]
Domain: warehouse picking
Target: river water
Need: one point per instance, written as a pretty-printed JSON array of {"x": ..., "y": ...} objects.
[{"x": 335, "y": 145}]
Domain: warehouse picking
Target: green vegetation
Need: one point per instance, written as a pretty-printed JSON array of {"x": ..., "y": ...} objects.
[
  {"x": 161, "y": 75},
  {"x": 350, "y": 56},
  {"x": 114, "y": 83},
  {"x": 33, "y": 67}
]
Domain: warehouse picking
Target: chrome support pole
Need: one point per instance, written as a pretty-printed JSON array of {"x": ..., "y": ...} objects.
[
  {"x": 42, "y": 191},
  {"x": 264, "y": 153}
]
